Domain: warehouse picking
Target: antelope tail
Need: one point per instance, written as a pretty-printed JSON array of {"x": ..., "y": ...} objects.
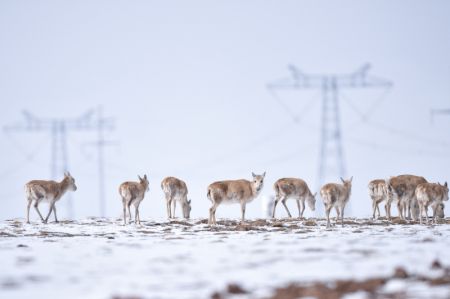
[
  {"x": 277, "y": 190},
  {"x": 209, "y": 194}
]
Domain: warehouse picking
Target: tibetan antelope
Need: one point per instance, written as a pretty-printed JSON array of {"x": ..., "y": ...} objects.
[
  {"x": 133, "y": 193},
  {"x": 176, "y": 190},
  {"x": 50, "y": 191},
  {"x": 293, "y": 188},
  {"x": 430, "y": 194},
  {"x": 337, "y": 196},
  {"x": 378, "y": 193},
  {"x": 402, "y": 189},
  {"x": 440, "y": 208},
  {"x": 236, "y": 191}
]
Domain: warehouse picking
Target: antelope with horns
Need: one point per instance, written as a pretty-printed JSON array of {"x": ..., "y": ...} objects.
[
  {"x": 235, "y": 191},
  {"x": 378, "y": 194},
  {"x": 430, "y": 194},
  {"x": 293, "y": 188},
  {"x": 402, "y": 189},
  {"x": 50, "y": 191},
  {"x": 176, "y": 190},
  {"x": 336, "y": 195},
  {"x": 133, "y": 193}
]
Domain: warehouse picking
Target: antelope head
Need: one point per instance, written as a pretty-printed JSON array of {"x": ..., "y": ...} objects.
[
  {"x": 258, "y": 181},
  {"x": 144, "y": 182},
  {"x": 71, "y": 181},
  {"x": 311, "y": 200},
  {"x": 187, "y": 209},
  {"x": 347, "y": 183}
]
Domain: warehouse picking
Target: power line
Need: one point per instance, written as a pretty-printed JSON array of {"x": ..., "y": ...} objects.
[
  {"x": 365, "y": 116},
  {"x": 270, "y": 136},
  {"x": 29, "y": 157},
  {"x": 296, "y": 118},
  {"x": 375, "y": 146},
  {"x": 263, "y": 139},
  {"x": 393, "y": 130}
]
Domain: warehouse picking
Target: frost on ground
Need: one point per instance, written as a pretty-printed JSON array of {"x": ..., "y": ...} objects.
[{"x": 101, "y": 258}]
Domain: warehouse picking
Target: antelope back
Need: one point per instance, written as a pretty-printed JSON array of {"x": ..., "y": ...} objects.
[
  {"x": 291, "y": 187},
  {"x": 174, "y": 187},
  {"x": 230, "y": 191}
]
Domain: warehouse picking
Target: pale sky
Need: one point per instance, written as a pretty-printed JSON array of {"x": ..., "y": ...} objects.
[{"x": 186, "y": 84}]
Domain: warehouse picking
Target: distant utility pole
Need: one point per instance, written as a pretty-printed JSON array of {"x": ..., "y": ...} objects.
[
  {"x": 59, "y": 128},
  {"x": 438, "y": 111},
  {"x": 331, "y": 159},
  {"x": 101, "y": 125}
]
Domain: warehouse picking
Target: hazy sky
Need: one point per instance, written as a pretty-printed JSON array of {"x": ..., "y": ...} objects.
[{"x": 186, "y": 83}]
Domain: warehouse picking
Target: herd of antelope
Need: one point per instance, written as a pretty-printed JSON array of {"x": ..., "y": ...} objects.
[{"x": 413, "y": 195}]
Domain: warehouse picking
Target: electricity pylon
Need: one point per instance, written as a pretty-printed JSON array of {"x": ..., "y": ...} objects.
[
  {"x": 331, "y": 154},
  {"x": 59, "y": 128}
]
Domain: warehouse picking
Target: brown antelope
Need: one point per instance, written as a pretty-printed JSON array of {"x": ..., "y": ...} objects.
[
  {"x": 336, "y": 195},
  {"x": 176, "y": 190},
  {"x": 440, "y": 208},
  {"x": 378, "y": 193},
  {"x": 293, "y": 188},
  {"x": 236, "y": 191},
  {"x": 133, "y": 193},
  {"x": 50, "y": 191},
  {"x": 430, "y": 194},
  {"x": 402, "y": 189}
]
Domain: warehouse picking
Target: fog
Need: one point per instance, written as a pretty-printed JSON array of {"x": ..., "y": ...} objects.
[{"x": 185, "y": 82}]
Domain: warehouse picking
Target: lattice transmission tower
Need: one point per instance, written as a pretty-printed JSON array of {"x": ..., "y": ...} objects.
[
  {"x": 59, "y": 128},
  {"x": 331, "y": 154}
]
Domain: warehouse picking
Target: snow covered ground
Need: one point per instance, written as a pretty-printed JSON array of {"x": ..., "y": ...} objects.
[{"x": 101, "y": 258}]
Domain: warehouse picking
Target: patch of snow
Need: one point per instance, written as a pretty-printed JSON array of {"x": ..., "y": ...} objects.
[{"x": 101, "y": 258}]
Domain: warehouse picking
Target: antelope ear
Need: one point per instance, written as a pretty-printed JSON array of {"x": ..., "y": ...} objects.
[
  {"x": 342, "y": 180},
  {"x": 445, "y": 184},
  {"x": 264, "y": 174},
  {"x": 253, "y": 174},
  {"x": 145, "y": 176},
  {"x": 351, "y": 179},
  {"x": 139, "y": 177}
]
